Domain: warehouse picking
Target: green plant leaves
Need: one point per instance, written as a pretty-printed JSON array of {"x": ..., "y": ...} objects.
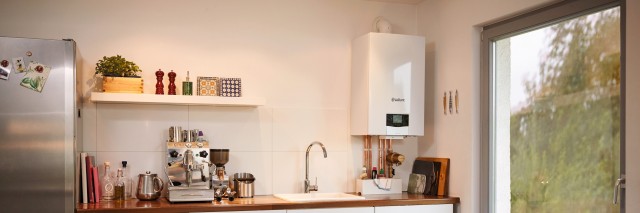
[
  {"x": 34, "y": 83},
  {"x": 26, "y": 81},
  {"x": 116, "y": 66}
]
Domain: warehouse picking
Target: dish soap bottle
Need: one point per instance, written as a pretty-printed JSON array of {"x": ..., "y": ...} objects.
[
  {"x": 374, "y": 173},
  {"x": 119, "y": 186},
  {"x": 107, "y": 183},
  {"x": 187, "y": 86}
]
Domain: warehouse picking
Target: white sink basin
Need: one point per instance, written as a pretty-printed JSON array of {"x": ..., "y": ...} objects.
[{"x": 302, "y": 197}]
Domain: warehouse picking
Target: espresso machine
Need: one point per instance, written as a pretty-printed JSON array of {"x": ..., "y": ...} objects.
[{"x": 188, "y": 172}]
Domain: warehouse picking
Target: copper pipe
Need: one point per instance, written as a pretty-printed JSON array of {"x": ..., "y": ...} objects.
[
  {"x": 384, "y": 156},
  {"x": 389, "y": 168},
  {"x": 383, "y": 152},
  {"x": 380, "y": 158},
  {"x": 367, "y": 141},
  {"x": 370, "y": 157},
  {"x": 366, "y": 155}
]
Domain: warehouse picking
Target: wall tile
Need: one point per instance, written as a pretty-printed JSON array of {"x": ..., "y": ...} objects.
[
  {"x": 289, "y": 171},
  {"x": 295, "y": 129},
  {"x": 89, "y": 131},
  {"x": 137, "y": 127},
  {"x": 259, "y": 164},
  {"x": 138, "y": 162},
  {"x": 234, "y": 128}
]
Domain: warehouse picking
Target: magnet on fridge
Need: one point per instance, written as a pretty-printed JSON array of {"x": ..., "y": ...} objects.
[
  {"x": 36, "y": 77},
  {"x": 5, "y": 69},
  {"x": 19, "y": 64}
]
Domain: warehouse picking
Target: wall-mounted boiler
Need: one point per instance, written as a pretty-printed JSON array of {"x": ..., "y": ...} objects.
[{"x": 387, "y": 85}]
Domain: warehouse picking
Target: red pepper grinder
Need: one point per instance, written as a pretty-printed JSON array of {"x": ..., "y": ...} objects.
[
  {"x": 159, "y": 85},
  {"x": 172, "y": 83}
]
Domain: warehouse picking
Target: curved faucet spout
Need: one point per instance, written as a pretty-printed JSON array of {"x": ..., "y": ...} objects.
[
  {"x": 307, "y": 185},
  {"x": 321, "y": 146}
]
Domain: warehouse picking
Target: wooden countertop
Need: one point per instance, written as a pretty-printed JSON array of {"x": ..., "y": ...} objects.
[{"x": 266, "y": 202}]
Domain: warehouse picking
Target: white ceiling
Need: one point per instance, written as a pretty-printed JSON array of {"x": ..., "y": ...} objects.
[{"x": 400, "y": 1}]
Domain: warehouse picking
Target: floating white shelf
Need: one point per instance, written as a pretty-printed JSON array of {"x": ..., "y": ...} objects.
[{"x": 100, "y": 97}]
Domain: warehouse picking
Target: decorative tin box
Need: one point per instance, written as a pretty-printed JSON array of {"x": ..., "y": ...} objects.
[
  {"x": 230, "y": 87},
  {"x": 208, "y": 86}
]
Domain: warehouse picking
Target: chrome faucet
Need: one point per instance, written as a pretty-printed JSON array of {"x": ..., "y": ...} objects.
[{"x": 307, "y": 185}]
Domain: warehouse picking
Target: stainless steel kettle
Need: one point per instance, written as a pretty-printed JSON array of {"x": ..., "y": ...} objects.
[{"x": 149, "y": 186}]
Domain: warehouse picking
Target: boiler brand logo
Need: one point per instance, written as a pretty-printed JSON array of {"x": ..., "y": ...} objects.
[{"x": 397, "y": 99}]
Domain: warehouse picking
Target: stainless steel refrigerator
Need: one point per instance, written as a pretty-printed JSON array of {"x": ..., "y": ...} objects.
[{"x": 39, "y": 124}]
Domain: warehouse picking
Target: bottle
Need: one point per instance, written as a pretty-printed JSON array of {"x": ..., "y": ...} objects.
[
  {"x": 364, "y": 174},
  {"x": 381, "y": 174},
  {"x": 127, "y": 180},
  {"x": 119, "y": 186},
  {"x": 374, "y": 173},
  {"x": 107, "y": 183},
  {"x": 187, "y": 86}
]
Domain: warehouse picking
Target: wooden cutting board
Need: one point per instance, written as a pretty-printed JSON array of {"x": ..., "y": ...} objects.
[{"x": 438, "y": 167}]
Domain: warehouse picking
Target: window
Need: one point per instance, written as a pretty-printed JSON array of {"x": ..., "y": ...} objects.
[{"x": 552, "y": 109}]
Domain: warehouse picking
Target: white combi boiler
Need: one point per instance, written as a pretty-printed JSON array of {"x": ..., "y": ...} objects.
[{"x": 387, "y": 85}]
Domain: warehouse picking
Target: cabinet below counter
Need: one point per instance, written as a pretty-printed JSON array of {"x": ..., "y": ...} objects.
[{"x": 261, "y": 203}]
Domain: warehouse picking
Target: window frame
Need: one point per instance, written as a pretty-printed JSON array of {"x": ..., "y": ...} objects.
[{"x": 532, "y": 20}]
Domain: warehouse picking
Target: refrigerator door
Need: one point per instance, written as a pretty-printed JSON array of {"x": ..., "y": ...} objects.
[{"x": 37, "y": 129}]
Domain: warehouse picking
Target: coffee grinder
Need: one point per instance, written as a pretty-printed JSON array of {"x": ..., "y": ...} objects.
[
  {"x": 219, "y": 178},
  {"x": 187, "y": 169}
]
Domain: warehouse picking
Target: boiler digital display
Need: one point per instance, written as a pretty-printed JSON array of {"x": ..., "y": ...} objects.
[{"x": 397, "y": 120}]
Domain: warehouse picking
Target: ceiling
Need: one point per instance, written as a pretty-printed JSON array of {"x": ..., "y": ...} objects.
[{"x": 400, "y": 1}]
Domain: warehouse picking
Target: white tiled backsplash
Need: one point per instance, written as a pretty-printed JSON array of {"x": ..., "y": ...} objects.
[{"x": 268, "y": 142}]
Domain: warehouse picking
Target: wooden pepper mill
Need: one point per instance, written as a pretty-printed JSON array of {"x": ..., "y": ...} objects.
[
  {"x": 159, "y": 85},
  {"x": 172, "y": 83}
]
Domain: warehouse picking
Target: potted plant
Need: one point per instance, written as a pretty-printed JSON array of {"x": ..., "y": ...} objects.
[{"x": 119, "y": 75}]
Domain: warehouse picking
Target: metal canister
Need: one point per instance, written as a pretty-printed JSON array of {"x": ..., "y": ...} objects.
[
  {"x": 243, "y": 185},
  {"x": 186, "y": 136},
  {"x": 175, "y": 134},
  {"x": 194, "y": 135}
]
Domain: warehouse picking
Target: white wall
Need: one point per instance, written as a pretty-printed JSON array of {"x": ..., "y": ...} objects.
[
  {"x": 453, "y": 62},
  {"x": 295, "y": 53}
]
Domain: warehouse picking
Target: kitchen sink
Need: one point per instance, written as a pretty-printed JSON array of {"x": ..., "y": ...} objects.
[{"x": 309, "y": 197}]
